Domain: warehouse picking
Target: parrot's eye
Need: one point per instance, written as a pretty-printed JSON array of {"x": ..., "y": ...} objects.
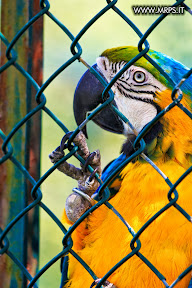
[{"x": 139, "y": 76}]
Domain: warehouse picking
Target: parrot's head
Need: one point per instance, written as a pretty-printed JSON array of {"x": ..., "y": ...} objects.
[{"x": 137, "y": 93}]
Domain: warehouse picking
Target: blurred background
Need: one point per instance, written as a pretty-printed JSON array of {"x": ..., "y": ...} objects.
[{"x": 172, "y": 37}]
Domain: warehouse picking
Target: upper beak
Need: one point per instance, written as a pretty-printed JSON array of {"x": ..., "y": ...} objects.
[{"x": 88, "y": 95}]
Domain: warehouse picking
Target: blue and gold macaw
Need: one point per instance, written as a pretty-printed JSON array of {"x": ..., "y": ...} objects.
[{"x": 102, "y": 240}]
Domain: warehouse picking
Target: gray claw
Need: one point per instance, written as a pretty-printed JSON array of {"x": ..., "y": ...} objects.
[{"x": 56, "y": 155}]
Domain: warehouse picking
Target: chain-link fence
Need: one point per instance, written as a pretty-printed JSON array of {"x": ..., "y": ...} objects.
[{"x": 139, "y": 144}]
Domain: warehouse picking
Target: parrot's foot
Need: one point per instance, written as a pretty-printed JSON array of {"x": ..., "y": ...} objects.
[
  {"x": 79, "y": 201},
  {"x": 106, "y": 284}
]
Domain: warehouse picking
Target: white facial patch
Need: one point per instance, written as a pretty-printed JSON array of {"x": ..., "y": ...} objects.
[
  {"x": 138, "y": 113},
  {"x": 134, "y": 92}
]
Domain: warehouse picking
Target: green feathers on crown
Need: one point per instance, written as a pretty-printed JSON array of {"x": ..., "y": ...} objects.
[{"x": 126, "y": 53}]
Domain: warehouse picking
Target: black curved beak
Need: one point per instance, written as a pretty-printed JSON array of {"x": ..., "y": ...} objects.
[{"x": 88, "y": 95}]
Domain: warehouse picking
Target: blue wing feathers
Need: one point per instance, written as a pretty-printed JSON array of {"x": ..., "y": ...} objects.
[
  {"x": 64, "y": 270},
  {"x": 112, "y": 167},
  {"x": 190, "y": 284}
]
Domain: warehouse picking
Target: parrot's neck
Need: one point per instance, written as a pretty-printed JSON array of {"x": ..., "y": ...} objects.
[{"x": 171, "y": 137}]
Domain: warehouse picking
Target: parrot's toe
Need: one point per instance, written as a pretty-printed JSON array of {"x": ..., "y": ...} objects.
[
  {"x": 56, "y": 155},
  {"x": 80, "y": 201}
]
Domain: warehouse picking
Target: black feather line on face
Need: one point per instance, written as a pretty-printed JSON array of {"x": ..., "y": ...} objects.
[
  {"x": 136, "y": 91},
  {"x": 123, "y": 81},
  {"x": 134, "y": 97},
  {"x": 114, "y": 69},
  {"x": 145, "y": 84}
]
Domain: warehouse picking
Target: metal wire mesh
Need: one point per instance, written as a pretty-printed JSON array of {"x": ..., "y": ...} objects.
[{"x": 139, "y": 144}]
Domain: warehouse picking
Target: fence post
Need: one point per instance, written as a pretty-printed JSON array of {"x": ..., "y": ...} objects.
[
  {"x": 33, "y": 132},
  {"x": 16, "y": 99}
]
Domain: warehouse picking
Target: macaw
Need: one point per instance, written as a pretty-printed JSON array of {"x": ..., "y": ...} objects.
[{"x": 102, "y": 240}]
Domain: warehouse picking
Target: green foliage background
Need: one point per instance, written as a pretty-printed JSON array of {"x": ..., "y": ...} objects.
[{"x": 172, "y": 37}]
